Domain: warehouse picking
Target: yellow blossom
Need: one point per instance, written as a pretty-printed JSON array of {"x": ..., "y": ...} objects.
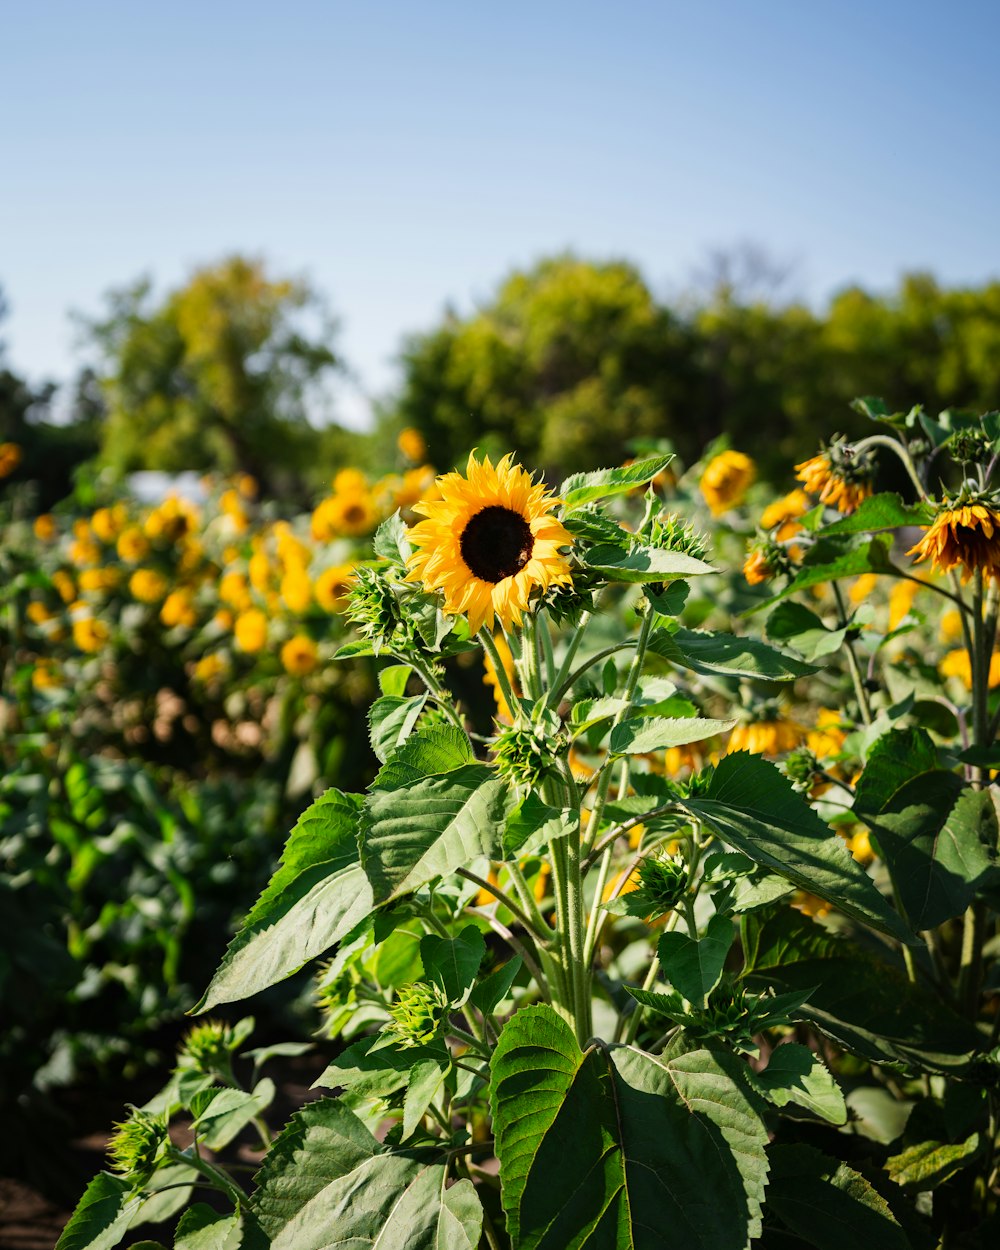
[
  {"x": 956, "y": 664},
  {"x": 64, "y": 585},
  {"x": 209, "y": 668},
  {"x": 863, "y": 587},
  {"x": 765, "y": 737},
  {"x": 10, "y": 458},
  {"x": 178, "y": 609},
  {"x": 90, "y": 634},
  {"x": 726, "y": 480},
  {"x": 45, "y": 527},
  {"x": 966, "y": 538},
  {"x": 251, "y": 630},
  {"x": 411, "y": 443},
  {"x": 950, "y": 625},
  {"x": 133, "y": 545},
  {"x": 299, "y": 655},
  {"x": 296, "y": 590},
  {"x": 333, "y": 586},
  {"x": 234, "y": 591},
  {"x": 783, "y": 514},
  {"x": 147, "y": 585}
]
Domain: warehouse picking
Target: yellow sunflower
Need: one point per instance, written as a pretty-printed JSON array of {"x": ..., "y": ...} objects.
[
  {"x": 765, "y": 737},
  {"x": 784, "y": 514},
  {"x": 756, "y": 568},
  {"x": 838, "y": 476},
  {"x": 965, "y": 537},
  {"x": 726, "y": 479},
  {"x": 489, "y": 542}
]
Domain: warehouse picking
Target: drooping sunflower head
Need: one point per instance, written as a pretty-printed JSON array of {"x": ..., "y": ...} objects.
[
  {"x": 964, "y": 536},
  {"x": 839, "y": 476},
  {"x": 726, "y": 479},
  {"x": 489, "y": 543}
]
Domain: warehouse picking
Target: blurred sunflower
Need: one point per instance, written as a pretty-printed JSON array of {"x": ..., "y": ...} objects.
[
  {"x": 10, "y": 458},
  {"x": 489, "y": 543},
  {"x": 966, "y": 537},
  {"x": 783, "y": 514},
  {"x": 839, "y": 476},
  {"x": 333, "y": 586},
  {"x": 299, "y": 655},
  {"x": 726, "y": 479}
]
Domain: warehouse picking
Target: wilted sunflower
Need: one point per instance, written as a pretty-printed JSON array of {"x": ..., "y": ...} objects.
[
  {"x": 965, "y": 537},
  {"x": 839, "y": 476},
  {"x": 488, "y": 543}
]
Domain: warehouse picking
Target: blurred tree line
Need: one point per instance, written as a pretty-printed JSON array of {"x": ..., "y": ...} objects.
[{"x": 568, "y": 363}]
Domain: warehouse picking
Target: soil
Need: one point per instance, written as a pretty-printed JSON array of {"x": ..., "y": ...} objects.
[{"x": 44, "y": 1172}]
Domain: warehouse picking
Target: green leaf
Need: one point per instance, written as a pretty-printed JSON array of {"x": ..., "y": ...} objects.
[
  {"x": 583, "y": 488},
  {"x": 316, "y": 897},
  {"x": 644, "y": 734},
  {"x": 795, "y": 1075},
  {"x": 328, "y": 1181},
  {"x": 354, "y": 650},
  {"x": 393, "y": 678},
  {"x": 369, "y": 1067},
  {"x": 167, "y": 1193},
  {"x": 426, "y": 1079},
  {"x": 452, "y": 963},
  {"x": 102, "y": 1215},
  {"x": 725, "y": 655},
  {"x": 598, "y": 1148},
  {"x": 390, "y": 541},
  {"x": 937, "y": 835},
  {"x": 753, "y": 807},
  {"x": 222, "y": 1114},
  {"x": 930, "y": 1163},
  {"x": 880, "y": 512},
  {"x": 794, "y": 623},
  {"x": 201, "y": 1228},
  {"x": 694, "y": 966},
  {"x": 427, "y": 828},
  {"x": 391, "y": 720},
  {"x": 865, "y": 1004},
  {"x": 643, "y": 564},
  {"x": 492, "y": 990},
  {"x": 828, "y": 1204},
  {"x": 832, "y": 559},
  {"x": 427, "y": 753},
  {"x": 532, "y": 825}
]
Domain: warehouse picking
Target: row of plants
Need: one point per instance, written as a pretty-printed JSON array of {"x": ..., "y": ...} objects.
[
  {"x": 168, "y": 709},
  {"x": 695, "y": 942}
]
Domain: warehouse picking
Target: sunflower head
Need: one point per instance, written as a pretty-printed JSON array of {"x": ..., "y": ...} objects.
[
  {"x": 963, "y": 536},
  {"x": 489, "y": 543},
  {"x": 726, "y": 479},
  {"x": 840, "y": 476}
]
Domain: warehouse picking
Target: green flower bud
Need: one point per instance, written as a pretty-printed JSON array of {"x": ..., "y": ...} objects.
[
  {"x": 208, "y": 1046},
  {"x": 138, "y": 1145},
  {"x": 419, "y": 1014},
  {"x": 529, "y": 751},
  {"x": 374, "y": 605},
  {"x": 662, "y": 880}
]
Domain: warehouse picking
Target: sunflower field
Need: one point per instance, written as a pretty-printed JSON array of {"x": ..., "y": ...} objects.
[{"x": 655, "y": 904}]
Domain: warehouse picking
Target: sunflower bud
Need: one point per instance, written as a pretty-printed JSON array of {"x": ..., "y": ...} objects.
[
  {"x": 970, "y": 447},
  {"x": 801, "y": 767},
  {"x": 662, "y": 881},
  {"x": 208, "y": 1046},
  {"x": 527, "y": 752},
  {"x": 374, "y": 606},
  {"x": 671, "y": 533},
  {"x": 138, "y": 1145},
  {"x": 419, "y": 1013}
]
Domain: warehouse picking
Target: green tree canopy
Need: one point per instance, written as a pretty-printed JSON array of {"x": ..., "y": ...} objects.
[{"x": 218, "y": 375}]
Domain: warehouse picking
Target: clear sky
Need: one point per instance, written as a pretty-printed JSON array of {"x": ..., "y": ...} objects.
[{"x": 404, "y": 155}]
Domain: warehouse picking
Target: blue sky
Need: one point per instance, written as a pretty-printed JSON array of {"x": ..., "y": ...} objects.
[{"x": 404, "y": 155}]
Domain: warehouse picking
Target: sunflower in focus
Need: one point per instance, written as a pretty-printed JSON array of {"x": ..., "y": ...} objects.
[
  {"x": 839, "y": 476},
  {"x": 726, "y": 480},
  {"x": 489, "y": 543},
  {"x": 966, "y": 537}
]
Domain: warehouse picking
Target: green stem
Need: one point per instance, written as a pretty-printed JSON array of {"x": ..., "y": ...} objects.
[
  {"x": 219, "y": 1179},
  {"x": 557, "y": 682},
  {"x": 503, "y": 681},
  {"x": 560, "y": 689},
  {"x": 864, "y": 708},
  {"x": 883, "y": 440},
  {"x": 503, "y": 897},
  {"x": 545, "y": 635}
]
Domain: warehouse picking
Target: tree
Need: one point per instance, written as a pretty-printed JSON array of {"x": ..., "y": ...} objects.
[
  {"x": 219, "y": 375},
  {"x": 567, "y": 364}
]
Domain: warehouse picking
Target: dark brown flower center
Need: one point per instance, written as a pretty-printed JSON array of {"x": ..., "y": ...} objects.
[{"x": 496, "y": 543}]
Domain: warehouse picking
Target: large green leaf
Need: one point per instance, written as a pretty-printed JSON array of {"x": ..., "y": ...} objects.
[
  {"x": 439, "y": 749},
  {"x": 643, "y": 564},
  {"x": 828, "y": 1204},
  {"x": 327, "y": 1182},
  {"x": 583, "y": 488},
  {"x": 881, "y": 512},
  {"x": 694, "y": 965},
  {"x": 937, "y": 835},
  {"x": 793, "y": 622},
  {"x": 794, "y": 1074},
  {"x": 201, "y": 1228},
  {"x": 369, "y": 1067},
  {"x": 102, "y": 1215},
  {"x": 832, "y": 559},
  {"x": 612, "y": 1149},
  {"x": 391, "y": 720},
  {"x": 532, "y": 825},
  {"x": 428, "y": 827},
  {"x": 725, "y": 655},
  {"x": 316, "y": 897},
  {"x": 452, "y": 963},
  {"x": 930, "y": 1163},
  {"x": 643, "y": 734},
  {"x": 754, "y": 808},
  {"x": 864, "y": 1003}
]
